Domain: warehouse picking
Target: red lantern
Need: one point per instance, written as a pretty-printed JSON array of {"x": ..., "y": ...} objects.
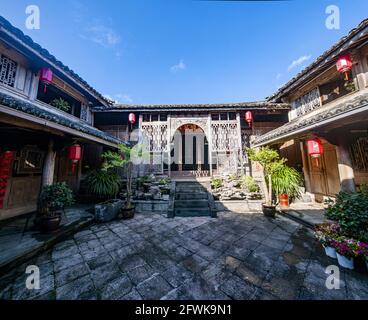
[
  {"x": 131, "y": 118},
  {"x": 75, "y": 154},
  {"x": 46, "y": 76},
  {"x": 249, "y": 118},
  {"x": 315, "y": 148},
  {"x": 344, "y": 65}
]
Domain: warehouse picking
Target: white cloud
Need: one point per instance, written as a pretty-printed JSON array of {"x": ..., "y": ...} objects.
[
  {"x": 119, "y": 98},
  {"x": 103, "y": 36},
  {"x": 298, "y": 62},
  {"x": 178, "y": 67}
]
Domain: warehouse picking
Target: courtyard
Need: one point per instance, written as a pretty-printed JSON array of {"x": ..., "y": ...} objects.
[{"x": 235, "y": 256}]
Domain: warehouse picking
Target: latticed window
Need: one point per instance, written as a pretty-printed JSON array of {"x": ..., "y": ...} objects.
[{"x": 8, "y": 69}]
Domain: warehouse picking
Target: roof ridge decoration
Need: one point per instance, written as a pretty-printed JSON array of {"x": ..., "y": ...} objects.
[
  {"x": 323, "y": 58},
  {"x": 47, "y": 55},
  {"x": 256, "y": 104}
]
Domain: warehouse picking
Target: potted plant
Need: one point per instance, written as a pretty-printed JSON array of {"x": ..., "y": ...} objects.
[
  {"x": 123, "y": 159},
  {"x": 270, "y": 162},
  {"x": 286, "y": 182},
  {"x": 325, "y": 233},
  {"x": 61, "y": 104},
  {"x": 346, "y": 251},
  {"x": 363, "y": 251},
  {"x": 105, "y": 186},
  {"x": 53, "y": 199}
]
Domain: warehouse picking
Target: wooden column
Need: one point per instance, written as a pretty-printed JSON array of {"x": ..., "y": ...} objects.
[
  {"x": 49, "y": 165},
  {"x": 168, "y": 145},
  {"x": 345, "y": 168},
  {"x": 305, "y": 167},
  {"x": 210, "y": 143},
  {"x": 240, "y": 155}
]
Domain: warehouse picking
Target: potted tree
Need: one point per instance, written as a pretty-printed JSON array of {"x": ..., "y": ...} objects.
[
  {"x": 53, "y": 199},
  {"x": 270, "y": 162},
  {"x": 123, "y": 159},
  {"x": 286, "y": 182}
]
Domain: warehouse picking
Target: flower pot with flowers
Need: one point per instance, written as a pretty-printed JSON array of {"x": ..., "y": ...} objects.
[
  {"x": 363, "y": 251},
  {"x": 346, "y": 251},
  {"x": 325, "y": 233}
]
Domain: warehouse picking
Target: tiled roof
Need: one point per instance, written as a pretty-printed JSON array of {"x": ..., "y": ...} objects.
[
  {"x": 327, "y": 57},
  {"x": 209, "y": 106},
  {"x": 34, "y": 109},
  {"x": 303, "y": 123},
  {"x": 5, "y": 24}
]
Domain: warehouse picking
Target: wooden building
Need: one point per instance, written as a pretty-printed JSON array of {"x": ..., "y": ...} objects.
[
  {"x": 217, "y": 133},
  {"x": 329, "y": 106},
  {"x": 35, "y": 136}
]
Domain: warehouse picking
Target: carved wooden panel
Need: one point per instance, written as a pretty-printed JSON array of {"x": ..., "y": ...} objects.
[
  {"x": 225, "y": 136},
  {"x": 154, "y": 136},
  {"x": 306, "y": 103},
  {"x": 8, "y": 70}
]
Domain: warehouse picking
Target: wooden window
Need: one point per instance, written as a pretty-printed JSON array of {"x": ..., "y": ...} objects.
[
  {"x": 336, "y": 88},
  {"x": 163, "y": 117},
  {"x": 8, "y": 70},
  {"x": 215, "y": 116},
  {"x": 232, "y": 116},
  {"x": 146, "y": 117},
  {"x": 154, "y": 117},
  {"x": 223, "y": 116}
]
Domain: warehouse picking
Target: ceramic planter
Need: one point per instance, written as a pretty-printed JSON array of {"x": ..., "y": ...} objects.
[
  {"x": 49, "y": 224},
  {"x": 269, "y": 211},
  {"x": 345, "y": 262},
  {"x": 330, "y": 252},
  {"x": 128, "y": 213},
  {"x": 284, "y": 201}
]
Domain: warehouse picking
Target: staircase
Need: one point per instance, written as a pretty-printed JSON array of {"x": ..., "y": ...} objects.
[{"x": 193, "y": 200}]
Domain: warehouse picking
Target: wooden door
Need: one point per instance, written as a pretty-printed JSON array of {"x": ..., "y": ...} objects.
[{"x": 331, "y": 170}]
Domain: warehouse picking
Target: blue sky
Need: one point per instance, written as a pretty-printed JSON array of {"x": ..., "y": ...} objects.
[{"x": 182, "y": 51}]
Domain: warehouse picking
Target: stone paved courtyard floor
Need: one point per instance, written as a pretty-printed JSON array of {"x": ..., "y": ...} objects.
[{"x": 236, "y": 256}]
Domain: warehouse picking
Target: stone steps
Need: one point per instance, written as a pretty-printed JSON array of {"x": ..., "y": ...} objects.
[{"x": 191, "y": 200}]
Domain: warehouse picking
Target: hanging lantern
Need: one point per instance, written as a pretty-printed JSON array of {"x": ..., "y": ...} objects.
[
  {"x": 75, "y": 154},
  {"x": 344, "y": 65},
  {"x": 131, "y": 118},
  {"x": 46, "y": 76},
  {"x": 249, "y": 118},
  {"x": 315, "y": 147}
]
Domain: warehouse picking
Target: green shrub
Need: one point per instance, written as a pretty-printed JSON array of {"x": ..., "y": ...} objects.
[
  {"x": 351, "y": 211},
  {"x": 55, "y": 197},
  {"x": 60, "y": 104},
  {"x": 249, "y": 184},
  {"x": 103, "y": 183},
  {"x": 216, "y": 183},
  {"x": 287, "y": 180}
]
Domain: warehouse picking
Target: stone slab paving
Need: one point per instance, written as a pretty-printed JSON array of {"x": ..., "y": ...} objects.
[
  {"x": 19, "y": 238},
  {"x": 235, "y": 256}
]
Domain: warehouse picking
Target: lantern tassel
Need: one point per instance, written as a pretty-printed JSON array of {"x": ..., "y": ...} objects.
[{"x": 44, "y": 88}]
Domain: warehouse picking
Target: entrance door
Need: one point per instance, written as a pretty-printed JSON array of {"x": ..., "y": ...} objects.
[{"x": 324, "y": 174}]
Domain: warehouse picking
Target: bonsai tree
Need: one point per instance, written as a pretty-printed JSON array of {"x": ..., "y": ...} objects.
[
  {"x": 55, "y": 197},
  {"x": 271, "y": 162},
  {"x": 121, "y": 159}
]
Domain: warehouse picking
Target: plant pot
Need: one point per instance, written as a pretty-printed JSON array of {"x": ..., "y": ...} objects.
[
  {"x": 284, "y": 200},
  {"x": 108, "y": 210},
  {"x": 49, "y": 224},
  {"x": 269, "y": 211},
  {"x": 128, "y": 213},
  {"x": 330, "y": 252},
  {"x": 345, "y": 262}
]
